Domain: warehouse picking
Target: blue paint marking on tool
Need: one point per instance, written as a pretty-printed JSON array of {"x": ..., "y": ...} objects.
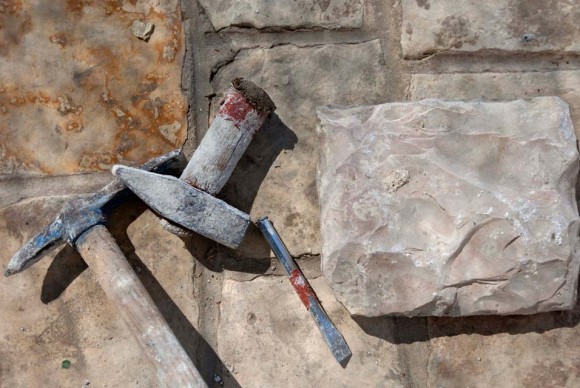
[
  {"x": 78, "y": 216},
  {"x": 330, "y": 333}
]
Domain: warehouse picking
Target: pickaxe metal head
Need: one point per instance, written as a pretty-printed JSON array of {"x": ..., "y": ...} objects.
[
  {"x": 187, "y": 206},
  {"x": 78, "y": 216}
]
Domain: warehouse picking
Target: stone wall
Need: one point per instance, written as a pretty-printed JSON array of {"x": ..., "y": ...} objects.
[{"x": 234, "y": 312}]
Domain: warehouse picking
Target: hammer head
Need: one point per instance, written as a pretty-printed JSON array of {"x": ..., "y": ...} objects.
[
  {"x": 187, "y": 206},
  {"x": 79, "y": 215}
]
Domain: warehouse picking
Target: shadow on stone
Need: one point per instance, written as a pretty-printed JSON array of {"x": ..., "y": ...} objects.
[
  {"x": 64, "y": 269},
  {"x": 196, "y": 347},
  {"x": 272, "y": 138},
  {"x": 403, "y": 330}
]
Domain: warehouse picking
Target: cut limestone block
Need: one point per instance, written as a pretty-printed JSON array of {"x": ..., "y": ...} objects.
[
  {"x": 291, "y": 15},
  {"x": 468, "y": 26},
  {"x": 450, "y": 208}
]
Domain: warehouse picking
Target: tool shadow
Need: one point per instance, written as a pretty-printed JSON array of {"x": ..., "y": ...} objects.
[{"x": 68, "y": 265}]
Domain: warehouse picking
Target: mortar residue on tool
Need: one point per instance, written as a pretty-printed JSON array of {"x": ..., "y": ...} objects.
[{"x": 255, "y": 95}]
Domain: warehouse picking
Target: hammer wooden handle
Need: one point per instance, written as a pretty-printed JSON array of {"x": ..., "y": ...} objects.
[{"x": 125, "y": 290}]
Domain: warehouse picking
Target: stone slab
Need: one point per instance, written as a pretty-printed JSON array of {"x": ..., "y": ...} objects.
[
  {"x": 467, "y": 26},
  {"x": 267, "y": 338},
  {"x": 521, "y": 352},
  {"x": 80, "y": 92},
  {"x": 277, "y": 174},
  {"x": 501, "y": 86},
  {"x": 55, "y": 310},
  {"x": 301, "y": 14},
  {"x": 449, "y": 207}
]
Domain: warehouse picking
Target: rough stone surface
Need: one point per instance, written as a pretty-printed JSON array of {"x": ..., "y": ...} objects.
[
  {"x": 525, "y": 351},
  {"x": 284, "y": 150},
  {"x": 301, "y": 14},
  {"x": 55, "y": 310},
  {"x": 79, "y": 92},
  {"x": 142, "y": 30},
  {"x": 283, "y": 340},
  {"x": 450, "y": 208},
  {"x": 501, "y": 86},
  {"x": 514, "y": 25}
]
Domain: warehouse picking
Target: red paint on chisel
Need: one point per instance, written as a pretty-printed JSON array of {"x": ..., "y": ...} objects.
[{"x": 302, "y": 287}]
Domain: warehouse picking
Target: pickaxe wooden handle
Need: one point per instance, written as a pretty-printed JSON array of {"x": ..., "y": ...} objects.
[
  {"x": 127, "y": 293},
  {"x": 81, "y": 224}
]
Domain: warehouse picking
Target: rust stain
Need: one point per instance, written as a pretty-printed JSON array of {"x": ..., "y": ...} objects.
[
  {"x": 15, "y": 22},
  {"x": 59, "y": 38},
  {"x": 11, "y": 7},
  {"x": 109, "y": 98},
  {"x": 76, "y": 6}
]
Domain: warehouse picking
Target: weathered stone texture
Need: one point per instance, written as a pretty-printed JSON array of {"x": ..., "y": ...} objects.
[
  {"x": 267, "y": 338},
  {"x": 298, "y": 79},
  {"x": 79, "y": 92},
  {"x": 521, "y": 352},
  {"x": 501, "y": 86},
  {"x": 301, "y": 14},
  {"x": 450, "y": 208},
  {"x": 465, "y": 25},
  {"x": 55, "y": 310}
]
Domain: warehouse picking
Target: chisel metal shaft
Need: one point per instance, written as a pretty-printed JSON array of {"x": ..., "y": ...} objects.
[{"x": 330, "y": 333}]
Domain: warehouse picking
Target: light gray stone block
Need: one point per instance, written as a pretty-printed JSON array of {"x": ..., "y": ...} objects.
[
  {"x": 501, "y": 86},
  {"x": 465, "y": 25},
  {"x": 450, "y": 208},
  {"x": 301, "y": 14}
]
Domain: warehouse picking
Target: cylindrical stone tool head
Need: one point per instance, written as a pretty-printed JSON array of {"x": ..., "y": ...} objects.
[{"x": 242, "y": 112}]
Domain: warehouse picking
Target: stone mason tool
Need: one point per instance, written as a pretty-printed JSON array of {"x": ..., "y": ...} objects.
[
  {"x": 81, "y": 224},
  {"x": 335, "y": 341},
  {"x": 188, "y": 201}
]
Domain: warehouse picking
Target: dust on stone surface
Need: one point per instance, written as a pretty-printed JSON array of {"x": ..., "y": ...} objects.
[{"x": 454, "y": 32}]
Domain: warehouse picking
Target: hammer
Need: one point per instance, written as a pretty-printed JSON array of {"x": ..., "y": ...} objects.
[
  {"x": 189, "y": 202},
  {"x": 81, "y": 224}
]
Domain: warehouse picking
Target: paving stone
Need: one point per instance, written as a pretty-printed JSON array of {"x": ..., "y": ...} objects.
[
  {"x": 501, "y": 86},
  {"x": 80, "y": 92},
  {"x": 449, "y": 207},
  {"x": 279, "y": 168},
  {"x": 267, "y": 337},
  {"x": 55, "y": 310},
  {"x": 301, "y": 14},
  {"x": 532, "y": 352},
  {"x": 515, "y": 25}
]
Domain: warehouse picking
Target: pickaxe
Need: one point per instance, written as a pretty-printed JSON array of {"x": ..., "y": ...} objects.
[
  {"x": 81, "y": 224},
  {"x": 190, "y": 203}
]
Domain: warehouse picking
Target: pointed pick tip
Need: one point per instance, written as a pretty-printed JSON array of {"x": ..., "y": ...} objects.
[{"x": 8, "y": 272}]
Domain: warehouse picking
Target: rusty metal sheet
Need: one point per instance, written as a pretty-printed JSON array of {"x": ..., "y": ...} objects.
[{"x": 79, "y": 91}]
